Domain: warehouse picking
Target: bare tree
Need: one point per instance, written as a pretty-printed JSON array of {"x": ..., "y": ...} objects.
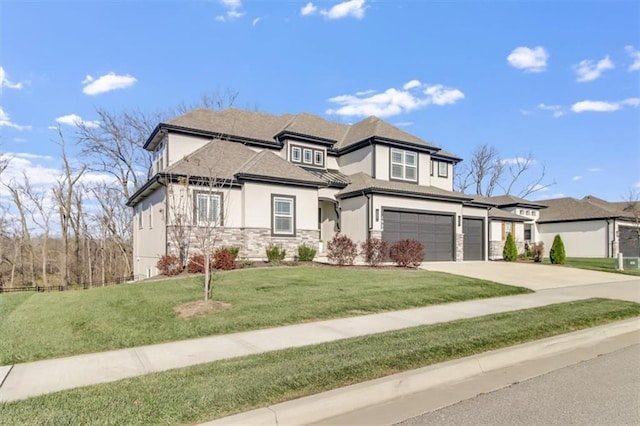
[
  {"x": 486, "y": 171},
  {"x": 17, "y": 195},
  {"x": 632, "y": 206},
  {"x": 41, "y": 216}
]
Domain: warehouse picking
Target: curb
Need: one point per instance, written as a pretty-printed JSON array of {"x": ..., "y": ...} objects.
[{"x": 336, "y": 402}]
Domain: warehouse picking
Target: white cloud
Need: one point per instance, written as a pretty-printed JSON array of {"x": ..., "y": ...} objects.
[
  {"x": 594, "y": 106},
  {"x": 19, "y": 140},
  {"x": 595, "y": 170},
  {"x": 107, "y": 83},
  {"x": 76, "y": 120},
  {"x": 345, "y": 9},
  {"x": 411, "y": 84},
  {"x": 517, "y": 160},
  {"x": 556, "y": 109},
  {"x": 576, "y": 178},
  {"x": 308, "y": 9},
  {"x": 637, "y": 185},
  {"x": 525, "y": 112},
  {"x": 233, "y": 11},
  {"x": 634, "y": 54},
  {"x": 255, "y": 21},
  {"x": 5, "y": 121},
  {"x": 631, "y": 102},
  {"x": 394, "y": 101},
  {"x": 588, "y": 70},
  {"x": 530, "y": 60},
  {"x": 5, "y": 82}
]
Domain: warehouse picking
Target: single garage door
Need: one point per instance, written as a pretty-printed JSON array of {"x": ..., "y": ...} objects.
[
  {"x": 435, "y": 231},
  {"x": 628, "y": 241},
  {"x": 472, "y": 229}
]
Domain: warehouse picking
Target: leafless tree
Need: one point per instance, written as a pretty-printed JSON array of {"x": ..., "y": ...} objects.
[
  {"x": 16, "y": 191},
  {"x": 632, "y": 206},
  {"x": 41, "y": 215},
  {"x": 486, "y": 171}
]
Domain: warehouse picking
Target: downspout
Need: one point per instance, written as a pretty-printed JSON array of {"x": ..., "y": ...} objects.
[
  {"x": 608, "y": 240},
  {"x": 166, "y": 213}
]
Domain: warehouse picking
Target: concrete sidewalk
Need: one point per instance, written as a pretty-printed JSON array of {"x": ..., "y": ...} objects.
[{"x": 26, "y": 380}]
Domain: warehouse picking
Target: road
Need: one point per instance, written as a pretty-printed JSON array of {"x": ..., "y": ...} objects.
[{"x": 600, "y": 391}]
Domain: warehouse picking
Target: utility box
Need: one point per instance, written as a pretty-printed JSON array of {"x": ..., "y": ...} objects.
[{"x": 630, "y": 263}]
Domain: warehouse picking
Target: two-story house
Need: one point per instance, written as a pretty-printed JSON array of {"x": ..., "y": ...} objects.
[{"x": 291, "y": 179}]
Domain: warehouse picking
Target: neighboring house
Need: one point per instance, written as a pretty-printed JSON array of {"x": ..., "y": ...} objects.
[
  {"x": 591, "y": 227},
  {"x": 291, "y": 179},
  {"x": 511, "y": 215}
]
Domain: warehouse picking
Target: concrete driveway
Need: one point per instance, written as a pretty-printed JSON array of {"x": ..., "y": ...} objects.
[{"x": 534, "y": 276}]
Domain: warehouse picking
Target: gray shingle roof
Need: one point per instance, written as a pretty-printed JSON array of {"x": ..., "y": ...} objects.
[
  {"x": 570, "y": 209},
  {"x": 267, "y": 164},
  {"x": 507, "y": 200},
  {"x": 264, "y": 127},
  {"x": 330, "y": 176},
  {"x": 496, "y": 213},
  {"x": 361, "y": 182}
]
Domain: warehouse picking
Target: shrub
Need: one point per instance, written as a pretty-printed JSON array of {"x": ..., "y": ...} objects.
[
  {"x": 195, "y": 265},
  {"x": 306, "y": 253},
  {"x": 342, "y": 250},
  {"x": 223, "y": 259},
  {"x": 233, "y": 250},
  {"x": 375, "y": 251},
  {"x": 538, "y": 251},
  {"x": 557, "y": 254},
  {"x": 510, "y": 251},
  {"x": 407, "y": 253},
  {"x": 275, "y": 253},
  {"x": 169, "y": 265}
]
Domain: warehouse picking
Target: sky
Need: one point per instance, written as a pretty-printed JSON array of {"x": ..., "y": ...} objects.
[{"x": 559, "y": 80}]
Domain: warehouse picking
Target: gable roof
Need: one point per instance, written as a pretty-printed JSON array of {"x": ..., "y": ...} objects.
[
  {"x": 267, "y": 165},
  {"x": 511, "y": 200},
  {"x": 266, "y": 128},
  {"x": 496, "y": 213},
  {"x": 589, "y": 208},
  {"x": 217, "y": 159},
  {"x": 362, "y": 182}
]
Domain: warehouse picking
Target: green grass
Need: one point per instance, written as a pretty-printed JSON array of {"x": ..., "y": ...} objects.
[
  {"x": 213, "y": 390},
  {"x": 604, "y": 264},
  {"x": 46, "y": 325}
]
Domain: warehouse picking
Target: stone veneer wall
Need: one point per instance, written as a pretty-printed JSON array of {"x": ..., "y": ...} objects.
[
  {"x": 254, "y": 241},
  {"x": 497, "y": 247},
  {"x": 459, "y": 247}
]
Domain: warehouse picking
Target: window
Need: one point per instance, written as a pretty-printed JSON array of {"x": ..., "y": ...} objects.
[
  {"x": 140, "y": 213},
  {"x": 507, "y": 228},
  {"x": 404, "y": 165},
  {"x": 308, "y": 156},
  {"x": 296, "y": 154},
  {"x": 527, "y": 234},
  {"x": 283, "y": 215},
  {"x": 207, "y": 208},
  {"x": 150, "y": 216},
  {"x": 443, "y": 169},
  {"x": 433, "y": 166},
  {"x": 318, "y": 158}
]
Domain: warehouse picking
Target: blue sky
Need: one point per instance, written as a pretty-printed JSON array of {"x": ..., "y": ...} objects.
[{"x": 559, "y": 80}]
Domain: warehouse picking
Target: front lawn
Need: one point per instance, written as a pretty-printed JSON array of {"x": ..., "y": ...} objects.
[
  {"x": 605, "y": 264},
  {"x": 208, "y": 391},
  {"x": 46, "y": 325}
]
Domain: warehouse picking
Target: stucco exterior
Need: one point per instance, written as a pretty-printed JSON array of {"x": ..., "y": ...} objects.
[{"x": 148, "y": 234}]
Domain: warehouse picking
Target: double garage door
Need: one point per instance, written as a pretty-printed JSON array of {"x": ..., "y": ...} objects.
[{"x": 436, "y": 232}]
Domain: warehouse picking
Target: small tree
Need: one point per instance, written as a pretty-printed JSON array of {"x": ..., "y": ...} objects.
[
  {"x": 557, "y": 254},
  {"x": 510, "y": 251},
  {"x": 342, "y": 250}
]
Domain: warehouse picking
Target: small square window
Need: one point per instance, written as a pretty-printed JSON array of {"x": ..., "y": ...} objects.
[
  {"x": 443, "y": 169},
  {"x": 308, "y": 156},
  {"x": 318, "y": 158},
  {"x": 296, "y": 154}
]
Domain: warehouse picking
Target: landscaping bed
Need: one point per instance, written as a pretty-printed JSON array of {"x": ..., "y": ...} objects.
[
  {"x": 37, "y": 326},
  {"x": 209, "y": 391}
]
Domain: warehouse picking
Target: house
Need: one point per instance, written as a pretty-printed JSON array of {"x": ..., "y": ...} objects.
[
  {"x": 591, "y": 227},
  {"x": 290, "y": 179}
]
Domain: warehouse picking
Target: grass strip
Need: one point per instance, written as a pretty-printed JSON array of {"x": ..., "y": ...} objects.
[
  {"x": 214, "y": 390},
  {"x": 596, "y": 264},
  {"x": 49, "y": 325}
]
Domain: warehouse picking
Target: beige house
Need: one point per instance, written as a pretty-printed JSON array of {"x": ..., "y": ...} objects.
[{"x": 251, "y": 179}]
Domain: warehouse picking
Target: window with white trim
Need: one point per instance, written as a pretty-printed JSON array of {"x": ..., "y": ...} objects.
[
  {"x": 318, "y": 158},
  {"x": 308, "y": 156},
  {"x": 207, "y": 208},
  {"x": 296, "y": 154},
  {"x": 404, "y": 165},
  {"x": 283, "y": 215},
  {"x": 443, "y": 169},
  {"x": 140, "y": 213}
]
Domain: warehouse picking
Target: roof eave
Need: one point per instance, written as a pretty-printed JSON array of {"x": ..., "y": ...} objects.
[
  {"x": 374, "y": 190},
  {"x": 277, "y": 180}
]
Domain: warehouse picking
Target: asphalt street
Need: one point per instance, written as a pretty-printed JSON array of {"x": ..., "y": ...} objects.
[{"x": 601, "y": 391}]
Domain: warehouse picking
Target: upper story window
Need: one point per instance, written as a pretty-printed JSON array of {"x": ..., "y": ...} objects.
[
  {"x": 404, "y": 165},
  {"x": 443, "y": 169},
  {"x": 208, "y": 208},
  {"x": 306, "y": 156}
]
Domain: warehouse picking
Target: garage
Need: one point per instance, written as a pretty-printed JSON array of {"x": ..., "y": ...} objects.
[
  {"x": 629, "y": 241},
  {"x": 434, "y": 231},
  {"x": 473, "y": 230}
]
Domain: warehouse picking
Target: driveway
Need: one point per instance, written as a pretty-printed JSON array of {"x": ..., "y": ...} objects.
[{"x": 533, "y": 276}]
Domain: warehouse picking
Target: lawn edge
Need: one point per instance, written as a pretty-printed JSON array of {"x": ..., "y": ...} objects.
[{"x": 340, "y": 401}]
